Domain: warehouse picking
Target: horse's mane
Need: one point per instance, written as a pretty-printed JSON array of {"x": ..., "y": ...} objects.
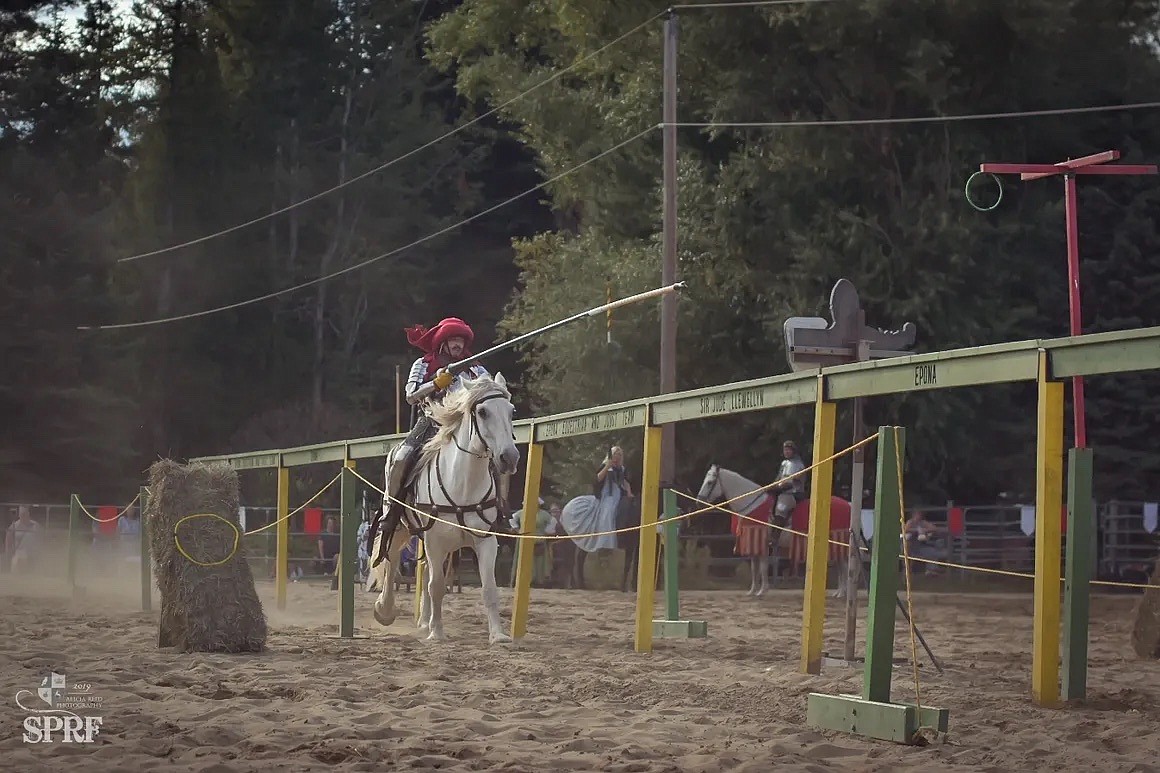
[{"x": 450, "y": 413}]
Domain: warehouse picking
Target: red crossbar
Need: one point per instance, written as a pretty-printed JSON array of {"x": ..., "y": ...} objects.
[
  {"x": 1076, "y": 163},
  {"x": 1037, "y": 171},
  {"x": 1093, "y": 164}
]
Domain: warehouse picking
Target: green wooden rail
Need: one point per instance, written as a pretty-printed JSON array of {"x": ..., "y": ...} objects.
[{"x": 1088, "y": 355}]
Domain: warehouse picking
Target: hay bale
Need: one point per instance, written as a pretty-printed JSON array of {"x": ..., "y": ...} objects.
[
  {"x": 203, "y": 608},
  {"x": 1146, "y": 630}
]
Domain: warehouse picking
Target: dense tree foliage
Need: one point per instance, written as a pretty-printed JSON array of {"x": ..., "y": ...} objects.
[
  {"x": 770, "y": 218},
  {"x": 125, "y": 130}
]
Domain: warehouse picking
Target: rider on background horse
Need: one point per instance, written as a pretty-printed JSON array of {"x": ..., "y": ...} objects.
[
  {"x": 789, "y": 493},
  {"x": 442, "y": 345}
]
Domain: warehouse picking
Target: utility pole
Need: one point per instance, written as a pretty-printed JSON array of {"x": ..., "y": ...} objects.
[{"x": 668, "y": 365}]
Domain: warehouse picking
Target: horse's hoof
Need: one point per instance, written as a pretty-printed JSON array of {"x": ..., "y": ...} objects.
[
  {"x": 760, "y": 592},
  {"x": 435, "y": 636},
  {"x": 383, "y": 619},
  {"x": 499, "y": 638}
]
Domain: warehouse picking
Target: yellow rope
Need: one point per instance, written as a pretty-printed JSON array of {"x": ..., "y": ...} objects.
[
  {"x": 129, "y": 506},
  {"x": 298, "y": 509},
  {"x": 681, "y": 517},
  {"x": 933, "y": 562},
  {"x": 906, "y": 569},
  {"x": 238, "y": 534},
  {"x": 191, "y": 559}
]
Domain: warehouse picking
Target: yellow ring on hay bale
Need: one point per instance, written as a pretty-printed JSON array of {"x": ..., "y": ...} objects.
[{"x": 191, "y": 559}]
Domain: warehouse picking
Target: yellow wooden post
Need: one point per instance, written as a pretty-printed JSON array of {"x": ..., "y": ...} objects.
[
  {"x": 282, "y": 540},
  {"x": 525, "y": 547},
  {"x": 650, "y": 493},
  {"x": 419, "y": 553},
  {"x": 1048, "y": 538},
  {"x": 817, "y": 543}
]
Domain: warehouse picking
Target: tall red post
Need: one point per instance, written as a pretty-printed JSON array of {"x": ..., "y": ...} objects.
[
  {"x": 1094, "y": 164},
  {"x": 1071, "y": 206}
]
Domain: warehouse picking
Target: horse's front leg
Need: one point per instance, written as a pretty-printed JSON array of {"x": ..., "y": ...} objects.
[
  {"x": 763, "y": 570},
  {"x": 752, "y": 576},
  {"x": 384, "y": 574},
  {"x": 486, "y": 550},
  {"x": 432, "y": 611},
  {"x": 424, "y": 621}
]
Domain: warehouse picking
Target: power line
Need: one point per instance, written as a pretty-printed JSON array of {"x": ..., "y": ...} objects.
[
  {"x": 750, "y": 3},
  {"x": 394, "y": 161},
  {"x": 920, "y": 119},
  {"x": 377, "y": 258}
]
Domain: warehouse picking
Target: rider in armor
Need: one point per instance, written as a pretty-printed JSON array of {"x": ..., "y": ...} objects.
[
  {"x": 442, "y": 345},
  {"x": 789, "y": 492}
]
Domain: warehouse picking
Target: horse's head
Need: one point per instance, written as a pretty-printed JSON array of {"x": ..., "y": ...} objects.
[
  {"x": 711, "y": 490},
  {"x": 492, "y": 414}
]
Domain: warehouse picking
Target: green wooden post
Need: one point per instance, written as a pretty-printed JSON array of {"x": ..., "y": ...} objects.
[
  {"x": 672, "y": 557},
  {"x": 348, "y": 529},
  {"x": 884, "y": 567},
  {"x": 1077, "y": 588},
  {"x": 673, "y": 627},
  {"x": 873, "y": 714},
  {"x": 146, "y": 566},
  {"x": 74, "y": 539}
]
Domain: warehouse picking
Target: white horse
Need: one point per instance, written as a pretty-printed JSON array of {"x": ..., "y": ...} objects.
[
  {"x": 720, "y": 485},
  {"x": 454, "y": 481}
]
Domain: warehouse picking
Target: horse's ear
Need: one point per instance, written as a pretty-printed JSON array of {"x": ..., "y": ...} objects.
[{"x": 499, "y": 379}]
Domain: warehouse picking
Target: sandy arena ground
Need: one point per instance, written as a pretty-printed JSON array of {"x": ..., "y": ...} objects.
[{"x": 574, "y": 697}]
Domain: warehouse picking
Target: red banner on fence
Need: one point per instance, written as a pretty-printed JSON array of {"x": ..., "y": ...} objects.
[
  {"x": 108, "y": 518},
  {"x": 955, "y": 522},
  {"x": 313, "y": 520}
]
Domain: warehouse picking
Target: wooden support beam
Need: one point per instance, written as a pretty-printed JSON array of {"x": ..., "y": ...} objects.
[
  {"x": 883, "y": 581},
  {"x": 817, "y": 542},
  {"x": 1048, "y": 539},
  {"x": 1077, "y": 587},
  {"x": 680, "y": 629},
  {"x": 525, "y": 548},
  {"x": 282, "y": 537},
  {"x": 349, "y": 520},
  {"x": 896, "y": 722},
  {"x": 646, "y": 566}
]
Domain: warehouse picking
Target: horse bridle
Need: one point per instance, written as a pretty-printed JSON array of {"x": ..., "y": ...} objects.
[
  {"x": 715, "y": 476},
  {"x": 475, "y": 427},
  {"x": 715, "y": 473},
  {"x": 490, "y": 499}
]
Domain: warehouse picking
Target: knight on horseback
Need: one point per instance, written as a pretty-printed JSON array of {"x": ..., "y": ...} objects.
[
  {"x": 447, "y": 342},
  {"x": 791, "y": 491}
]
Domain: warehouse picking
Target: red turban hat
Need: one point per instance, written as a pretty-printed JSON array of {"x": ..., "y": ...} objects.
[{"x": 430, "y": 340}]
